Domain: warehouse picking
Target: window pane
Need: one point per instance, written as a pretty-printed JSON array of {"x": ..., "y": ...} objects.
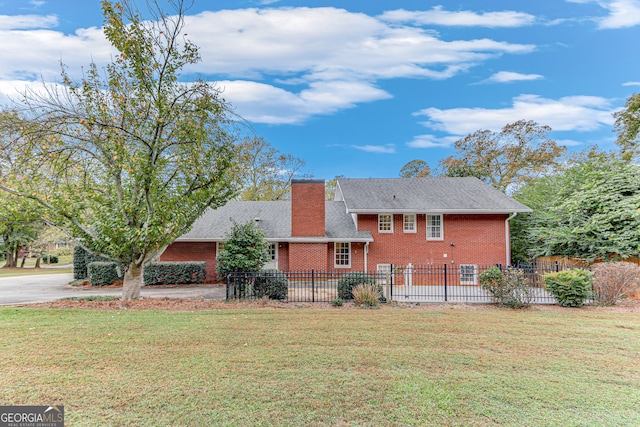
[
  {"x": 434, "y": 226},
  {"x": 410, "y": 223},
  {"x": 343, "y": 253},
  {"x": 385, "y": 223}
]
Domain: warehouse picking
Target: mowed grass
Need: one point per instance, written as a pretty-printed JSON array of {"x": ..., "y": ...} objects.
[
  {"x": 317, "y": 367},
  {"x": 11, "y": 272}
]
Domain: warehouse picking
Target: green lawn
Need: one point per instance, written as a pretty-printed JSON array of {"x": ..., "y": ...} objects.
[
  {"x": 317, "y": 367},
  {"x": 9, "y": 272}
]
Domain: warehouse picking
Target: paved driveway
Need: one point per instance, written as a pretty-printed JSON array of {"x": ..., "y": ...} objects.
[{"x": 51, "y": 287}]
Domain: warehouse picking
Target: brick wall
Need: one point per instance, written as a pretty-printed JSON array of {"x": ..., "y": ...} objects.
[
  {"x": 478, "y": 239},
  {"x": 307, "y": 208},
  {"x": 307, "y": 256},
  {"x": 193, "y": 251}
]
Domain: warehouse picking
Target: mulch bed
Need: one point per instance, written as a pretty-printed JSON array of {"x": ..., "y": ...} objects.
[{"x": 631, "y": 305}]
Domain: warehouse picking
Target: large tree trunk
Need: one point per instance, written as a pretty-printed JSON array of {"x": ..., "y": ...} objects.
[
  {"x": 133, "y": 281},
  {"x": 37, "y": 262},
  {"x": 9, "y": 261}
]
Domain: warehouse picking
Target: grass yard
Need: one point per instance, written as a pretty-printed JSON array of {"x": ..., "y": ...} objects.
[
  {"x": 324, "y": 366},
  {"x": 11, "y": 272}
]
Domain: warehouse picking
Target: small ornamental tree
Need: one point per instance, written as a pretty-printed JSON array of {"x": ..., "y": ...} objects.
[{"x": 246, "y": 250}]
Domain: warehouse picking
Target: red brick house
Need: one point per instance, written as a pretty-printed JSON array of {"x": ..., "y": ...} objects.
[{"x": 371, "y": 224}]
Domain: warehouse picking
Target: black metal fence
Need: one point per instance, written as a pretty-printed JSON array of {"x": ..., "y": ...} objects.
[{"x": 408, "y": 283}]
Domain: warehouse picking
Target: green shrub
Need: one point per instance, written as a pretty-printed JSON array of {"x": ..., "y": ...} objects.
[
  {"x": 509, "y": 288},
  {"x": 612, "y": 280},
  {"x": 49, "y": 259},
  {"x": 245, "y": 250},
  {"x": 104, "y": 273},
  {"x": 79, "y": 263},
  {"x": 571, "y": 288},
  {"x": 81, "y": 259},
  {"x": 179, "y": 273},
  {"x": 350, "y": 280},
  {"x": 338, "y": 302},
  {"x": 367, "y": 294},
  {"x": 272, "y": 284}
]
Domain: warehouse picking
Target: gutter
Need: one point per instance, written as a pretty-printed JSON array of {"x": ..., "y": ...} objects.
[{"x": 507, "y": 234}]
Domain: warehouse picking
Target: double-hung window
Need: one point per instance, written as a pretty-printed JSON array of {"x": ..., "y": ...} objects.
[
  {"x": 468, "y": 274},
  {"x": 342, "y": 254},
  {"x": 409, "y": 222},
  {"x": 434, "y": 227},
  {"x": 385, "y": 223}
]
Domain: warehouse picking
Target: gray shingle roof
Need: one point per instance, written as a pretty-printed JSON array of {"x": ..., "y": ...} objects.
[
  {"x": 424, "y": 195},
  {"x": 274, "y": 219}
]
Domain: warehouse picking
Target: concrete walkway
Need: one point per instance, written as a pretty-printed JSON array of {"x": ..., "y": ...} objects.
[{"x": 50, "y": 287}]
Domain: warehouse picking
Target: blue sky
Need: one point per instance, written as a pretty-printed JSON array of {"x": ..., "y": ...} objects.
[{"x": 360, "y": 88}]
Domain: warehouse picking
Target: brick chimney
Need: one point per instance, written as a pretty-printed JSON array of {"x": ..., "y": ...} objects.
[{"x": 307, "y": 208}]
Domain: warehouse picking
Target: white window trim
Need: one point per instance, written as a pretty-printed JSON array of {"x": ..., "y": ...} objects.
[
  {"x": 475, "y": 274},
  {"x": 385, "y": 231},
  {"x": 415, "y": 223},
  {"x": 429, "y": 227},
  {"x": 335, "y": 255}
]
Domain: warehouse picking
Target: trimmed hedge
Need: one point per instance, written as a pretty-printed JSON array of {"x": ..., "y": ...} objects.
[
  {"x": 570, "y": 287},
  {"x": 271, "y": 283},
  {"x": 79, "y": 263},
  {"x": 81, "y": 259},
  {"x": 104, "y": 273},
  {"x": 178, "y": 273},
  {"x": 350, "y": 280}
]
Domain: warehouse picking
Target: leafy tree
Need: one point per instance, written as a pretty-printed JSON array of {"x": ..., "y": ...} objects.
[
  {"x": 129, "y": 155},
  {"x": 519, "y": 153},
  {"x": 590, "y": 211},
  {"x": 266, "y": 172},
  {"x": 415, "y": 169},
  {"x": 19, "y": 223},
  {"x": 246, "y": 250},
  {"x": 330, "y": 188},
  {"x": 628, "y": 128}
]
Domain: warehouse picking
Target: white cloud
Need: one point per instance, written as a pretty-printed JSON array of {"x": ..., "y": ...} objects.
[
  {"x": 622, "y": 13},
  {"x": 330, "y": 43},
  {"x": 631, "y": 84},
  {"x": 264, "y": 103},
  {"x": 23, "y": 22},
  {"x": 572, "y": 113},
  {"x": 290, "y": 63},
  {"x": 466, "y": 18},
  {"x": 37, "y": 53},
  {"x": 432, "y": 141},
  {"x": 509, "y": 76},
  {"x": 378, "y": 149}
]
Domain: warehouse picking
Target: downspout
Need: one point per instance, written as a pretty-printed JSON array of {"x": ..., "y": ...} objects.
[
  {"x": 507, "y": 233},
  {"x": 366, "y": 258}
]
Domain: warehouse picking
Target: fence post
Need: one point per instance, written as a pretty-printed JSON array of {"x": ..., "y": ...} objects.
[
  {"x": 391, "y": 280},
  {"x": 313, "y": 285},
  {"x": 445, "y": 283}
]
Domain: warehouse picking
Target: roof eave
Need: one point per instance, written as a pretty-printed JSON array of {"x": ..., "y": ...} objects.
[{"x": 439, "y": 211}]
